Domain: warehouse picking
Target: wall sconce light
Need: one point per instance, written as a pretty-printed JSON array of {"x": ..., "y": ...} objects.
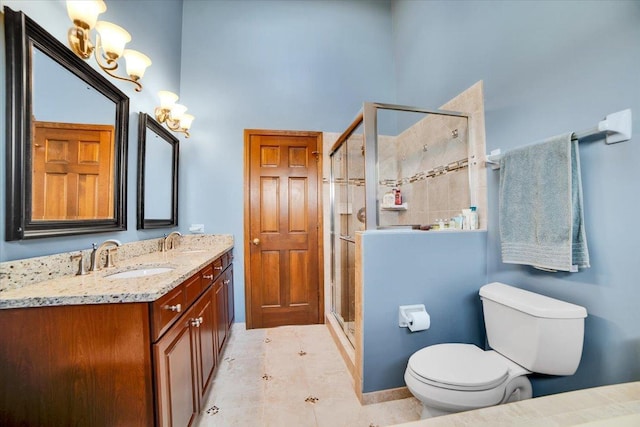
[
  {"x": 110, "y": 41},
  {"x": 172, "y": 114}
]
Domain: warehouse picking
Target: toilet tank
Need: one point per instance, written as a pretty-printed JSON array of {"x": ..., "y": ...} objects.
[{"x": 539, "y": 333}]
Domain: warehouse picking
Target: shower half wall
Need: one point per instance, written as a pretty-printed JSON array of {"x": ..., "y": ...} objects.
[{"x": 425, "y": 154}]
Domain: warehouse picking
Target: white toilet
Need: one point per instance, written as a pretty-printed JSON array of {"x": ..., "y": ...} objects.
[{"x": 528, "y": 333}]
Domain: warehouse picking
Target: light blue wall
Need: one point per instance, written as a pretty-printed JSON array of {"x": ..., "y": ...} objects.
[
  {"x": 443, "y": 271},
  {"x": 155, "y": 31},
  {"x": 291, "y": 65},
  {"x": 51, "y": 86},
  {"x": 548, "y": 68}
]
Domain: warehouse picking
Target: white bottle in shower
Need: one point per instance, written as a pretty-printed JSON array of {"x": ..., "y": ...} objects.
[
  {"x": 466, "y": 216},
  {"x": 473, "y": 218},
  {"x": 388, "y": 199}
]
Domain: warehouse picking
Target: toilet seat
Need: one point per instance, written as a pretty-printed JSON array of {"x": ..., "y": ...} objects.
[{"x": 464, "y": 367}]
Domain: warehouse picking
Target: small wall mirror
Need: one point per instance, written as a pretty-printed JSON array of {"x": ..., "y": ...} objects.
[
  {"x": 67, "y": 130},
  {"x": 157, "y": 175}
]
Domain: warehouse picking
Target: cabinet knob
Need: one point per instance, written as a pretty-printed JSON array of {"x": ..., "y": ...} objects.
[
  {"x": 207, "y": 276},
  {"x": 256, "y": 241},
  {"x": 217, "y": 267},
  {"x": 226, "y": 282},
  {"x": 177, "y": 308},
  {"x": 197, "y": 322}
]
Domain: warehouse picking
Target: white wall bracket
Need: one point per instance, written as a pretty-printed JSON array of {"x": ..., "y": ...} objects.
[
  {"x": 493, "y": 159},
  {"x": 617, "y": 126}
]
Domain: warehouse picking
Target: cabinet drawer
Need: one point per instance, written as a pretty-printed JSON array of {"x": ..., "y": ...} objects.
[
  {"x": 218, "y": 266},
  {"x": 192, "y": 288},
  {"x": 207, "y": 276},
  {"x": 166, "y": 310},
  {"x": 227, "y": 259}
]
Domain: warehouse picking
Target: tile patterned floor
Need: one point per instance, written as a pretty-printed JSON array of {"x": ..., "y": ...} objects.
[{"x": 291, "y": 376}]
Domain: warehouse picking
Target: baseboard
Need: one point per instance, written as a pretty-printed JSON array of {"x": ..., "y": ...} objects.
[
  {"x": 385, "y": 395},
  {"x": 343, "y": 344}
]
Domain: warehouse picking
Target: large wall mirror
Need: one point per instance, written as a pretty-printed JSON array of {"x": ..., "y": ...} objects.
[
  {"x": 157, "y": 175},
  {"x": 67, "y": 130}
]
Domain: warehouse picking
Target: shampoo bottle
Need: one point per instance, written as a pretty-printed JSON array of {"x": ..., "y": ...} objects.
[{"x": 398, "y": 198}]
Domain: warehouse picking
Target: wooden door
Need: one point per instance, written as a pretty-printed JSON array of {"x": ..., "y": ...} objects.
[
  {"x": 283, "y": 217},
  {"x": 72, "y": 171}
]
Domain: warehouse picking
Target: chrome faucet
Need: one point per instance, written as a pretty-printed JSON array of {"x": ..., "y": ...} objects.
[
  {"x": 169, "y": 241},
  {"x": 97, "y": 250}
]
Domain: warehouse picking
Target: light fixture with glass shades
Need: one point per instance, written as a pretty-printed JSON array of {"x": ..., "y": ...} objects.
[
  {"x": 110, "y": 41},
  {"x": 172, "y": 114}
]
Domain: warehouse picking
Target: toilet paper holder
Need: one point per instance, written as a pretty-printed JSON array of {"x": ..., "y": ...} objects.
[{"x": 404, "y": 318}]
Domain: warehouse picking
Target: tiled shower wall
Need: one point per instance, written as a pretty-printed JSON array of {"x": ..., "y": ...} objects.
[{"x": 430, "y": 143}]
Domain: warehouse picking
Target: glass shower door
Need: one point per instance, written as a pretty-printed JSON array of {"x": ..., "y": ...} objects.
[{"x": 348, "y": 217}]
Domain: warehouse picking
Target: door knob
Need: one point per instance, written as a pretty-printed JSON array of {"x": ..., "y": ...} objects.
[{"x": 256, "y": 241}]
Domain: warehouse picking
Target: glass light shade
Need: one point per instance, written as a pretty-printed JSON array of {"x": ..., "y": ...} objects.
[
  {"x": 86, "y": 11},
  {"x": 113, "y": 38},
  {"x": 185, "y": 121},
  {"x": 177, "y": 111},
  {"x": 137, "y": 62},
  {"x": 167, "y": 99}
]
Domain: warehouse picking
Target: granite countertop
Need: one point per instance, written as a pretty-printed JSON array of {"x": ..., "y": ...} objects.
[{"x": 96, "y": 288}]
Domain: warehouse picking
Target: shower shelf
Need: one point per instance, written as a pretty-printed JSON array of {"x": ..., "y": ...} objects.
[{"x": 402, "y": 207}]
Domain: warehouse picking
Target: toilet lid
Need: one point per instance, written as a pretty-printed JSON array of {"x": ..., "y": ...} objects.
[{"x": 459, "y": 366}]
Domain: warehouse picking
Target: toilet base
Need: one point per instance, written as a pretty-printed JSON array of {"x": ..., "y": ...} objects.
[
  {"x": 518, "y": 388},
  {"x": 431, "y": 412}
]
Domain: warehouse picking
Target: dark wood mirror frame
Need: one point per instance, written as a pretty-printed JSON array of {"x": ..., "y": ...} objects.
[
  {"x": 147, "y": 122},
  {"x": 21, "y": 33}
]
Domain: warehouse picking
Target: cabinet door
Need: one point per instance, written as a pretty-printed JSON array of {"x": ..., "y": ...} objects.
[
  {"x": 229, "y": 285},
  {"x": 221, "y": 312},
  {"x": 176, "y": 377},
  {"x": 206, "y": 353}
]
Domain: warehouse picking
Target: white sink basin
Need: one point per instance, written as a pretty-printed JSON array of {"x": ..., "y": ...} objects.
[
  {"x": 141, "y": 272},
  {"x": 193, "y": 251}
]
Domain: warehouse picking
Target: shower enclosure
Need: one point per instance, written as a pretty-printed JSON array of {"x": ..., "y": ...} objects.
[{"x": 423, "y": 155}]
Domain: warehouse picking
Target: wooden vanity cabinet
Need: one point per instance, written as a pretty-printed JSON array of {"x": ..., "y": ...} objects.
[
  {"x": 219, "y": 297},
  {"x": 185, "y": 360},
  {"x": 76, "y": 365},
  {"x": 224, "y": 305},
  {"x": 228, "y": 282},
  {"x": 131, "y": 364},
  {"x": 187, "y": 355},
  {"x": 223, "y": 297},
  {"x": 206, "y": 355},
  {"x": 176, "y": 393}
]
